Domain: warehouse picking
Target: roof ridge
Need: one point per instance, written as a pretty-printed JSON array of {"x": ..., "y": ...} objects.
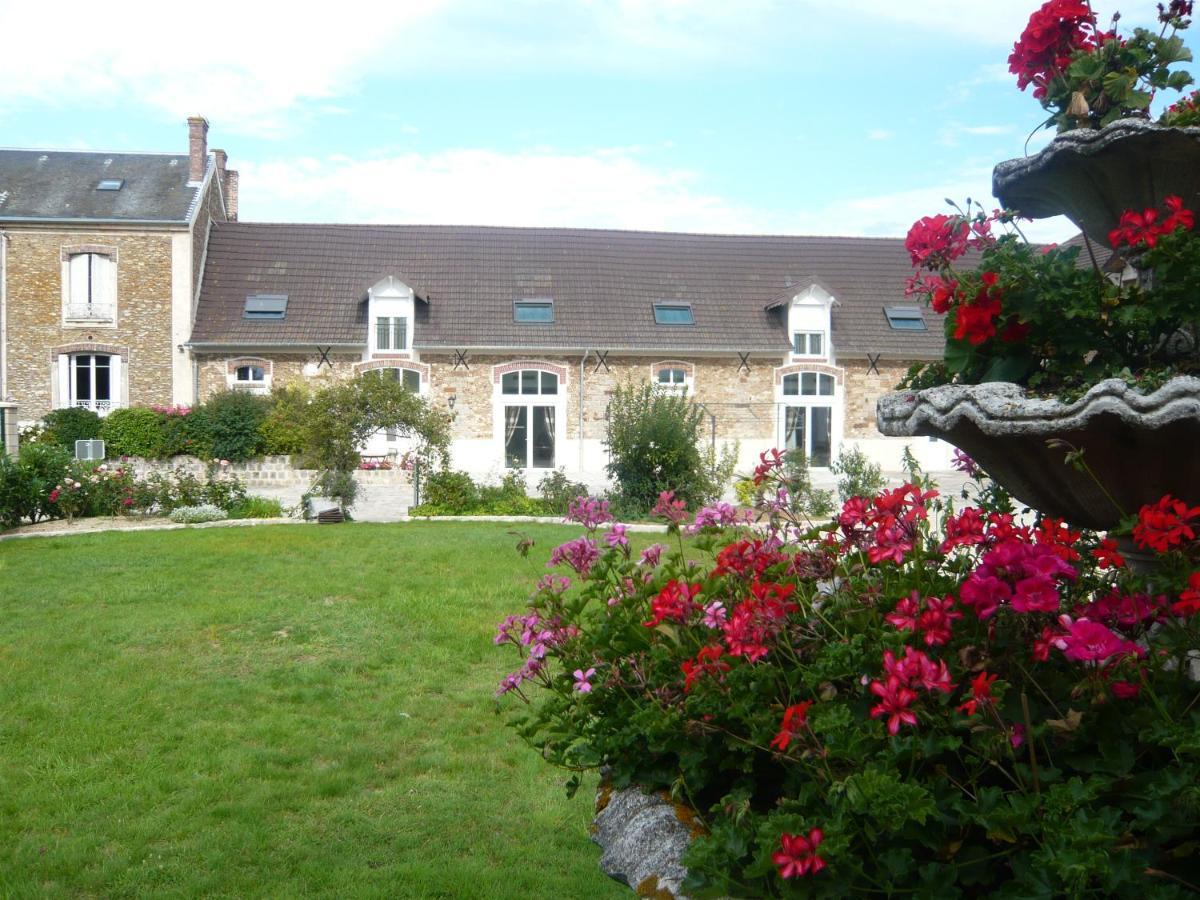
[
  {"x": 99, "y": 152},
  {"x": 383, "y": 226}
]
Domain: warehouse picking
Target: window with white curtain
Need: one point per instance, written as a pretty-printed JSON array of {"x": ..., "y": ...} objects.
[{"x": 529, "y": 399}]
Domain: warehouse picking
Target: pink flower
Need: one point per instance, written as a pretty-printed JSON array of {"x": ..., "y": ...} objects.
[
  {"x": 904, "y": 616},
  {"x": 616, "y": 537},
  {"x": 715, "y": 614},
  {"x": 895, "y": 699},
  {"x": 651, "y": 555},
  {"x": 667, "y": 507},
  {"x": 581, "y": 680},
  {"x": 588, "y": 512},
  {"x": 1088, "y": 641},
  {"x": 798, "y": 854},
  {"x": 580, "y": 554}
]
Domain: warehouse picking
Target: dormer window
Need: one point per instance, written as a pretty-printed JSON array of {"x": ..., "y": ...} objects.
[
  {"x": 533, "y": 312},
  {"x": 673, "y": 314},
  {"x": 391, "y": 333},
  {"x": 265, "y": 306},
  {"x": 905, "y": 318},
  {"x": 808, "y": 343}
]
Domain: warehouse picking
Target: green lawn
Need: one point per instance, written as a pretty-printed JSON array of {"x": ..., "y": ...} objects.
[{"x": 277, "y": 711}]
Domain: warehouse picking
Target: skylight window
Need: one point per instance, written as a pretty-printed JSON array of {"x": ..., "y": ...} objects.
[
  {"x": 111, "y": 184},
  {"x": 265, "y": 306},
  {"x": 534, "y": 312},
  {"x": 905, "y": 318},
  {"x": 673, "y": 314}
]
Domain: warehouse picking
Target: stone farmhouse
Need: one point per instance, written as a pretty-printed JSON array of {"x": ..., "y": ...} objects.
[{"x": 127, "y": 280}]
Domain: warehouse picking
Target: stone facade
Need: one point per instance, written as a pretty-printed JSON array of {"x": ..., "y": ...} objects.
[
  {"x": 37, "y": 329},
  {"x": 864, "y": 387}
]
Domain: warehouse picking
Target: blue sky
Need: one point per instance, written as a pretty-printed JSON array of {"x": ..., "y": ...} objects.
[{"x": 699, "y": 115}]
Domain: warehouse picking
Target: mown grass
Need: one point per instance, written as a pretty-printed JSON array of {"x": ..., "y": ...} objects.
[{"x": 279, "y": 711}]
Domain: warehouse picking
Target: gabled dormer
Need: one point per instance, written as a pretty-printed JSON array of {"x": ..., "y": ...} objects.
[
  {"x": 390, "y": 316},
  {"x": 807, "y": 310}
]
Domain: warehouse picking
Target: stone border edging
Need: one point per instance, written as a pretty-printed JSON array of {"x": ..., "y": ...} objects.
[
  {"x": 165, "y": 525},
  {"x": 533, "y": 520}
]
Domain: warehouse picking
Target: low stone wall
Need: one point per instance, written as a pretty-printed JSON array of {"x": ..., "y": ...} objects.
[{"x": 266, "y": 472}]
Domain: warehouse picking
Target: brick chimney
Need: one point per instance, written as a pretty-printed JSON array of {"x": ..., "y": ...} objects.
[
  {"x": 231, "y": 194},
  {"x": 197, "y": 148}
]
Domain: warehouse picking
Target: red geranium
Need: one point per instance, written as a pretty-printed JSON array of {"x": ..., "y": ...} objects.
[
  {"x": 798, "y": 854},
  {"x": 794, "y": 719},
  {"x": 936, "y": 241},
  {"x": 1045, "y": 47},
  {"x": 1164, "y": 524}
]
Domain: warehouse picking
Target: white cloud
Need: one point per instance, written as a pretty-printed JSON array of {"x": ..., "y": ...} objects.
[
  {"x": 880, "y": 134},
  {"x": 607, "y": 189}
]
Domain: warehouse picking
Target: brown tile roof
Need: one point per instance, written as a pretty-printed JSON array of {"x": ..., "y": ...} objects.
[{"x": 604, "y": 285}]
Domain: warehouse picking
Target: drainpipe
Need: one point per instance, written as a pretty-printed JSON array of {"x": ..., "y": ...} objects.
[
  {"x": 3, "y": 315},
  {"x": 582, "y": 363}
]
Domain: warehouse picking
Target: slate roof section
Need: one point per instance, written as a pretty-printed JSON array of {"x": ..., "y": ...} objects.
[
  {"x": 49, "y": 185},
  {"x": 604, "y": 285}
]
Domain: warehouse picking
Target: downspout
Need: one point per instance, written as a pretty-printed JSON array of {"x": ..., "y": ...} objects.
[{"x": 582, "y": 363}]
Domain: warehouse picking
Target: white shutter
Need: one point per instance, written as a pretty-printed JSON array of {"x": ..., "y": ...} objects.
[
  {"x": 79, "y": 280},
  {"x": 66, "y": 388},
  {"x": 116, "y": 387},
  {"x": 102, "y": 276}
]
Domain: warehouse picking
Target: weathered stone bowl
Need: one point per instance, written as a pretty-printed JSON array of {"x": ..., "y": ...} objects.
[
  {"x": 1138, "y": 447},
  {"x": 643, "y": 836},
  {"x": 1092, "y": 176}
]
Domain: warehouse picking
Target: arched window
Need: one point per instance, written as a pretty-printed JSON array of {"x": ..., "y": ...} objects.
[
  {"x": 410, "y": 380},
  {"x": 251, "y": 375},
  {"x": 807, "y": 415},
  {"x": 529, "y": 399}
]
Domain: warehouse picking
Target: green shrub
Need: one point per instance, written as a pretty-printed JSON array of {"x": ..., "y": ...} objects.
[
  {"x": 184, "y": 434},
  {"x": 233, "y": 420},
  {"x": 66, "y": 426},
  {"x": 558, "y": 491},
  {"x": 133, "y": 431},
  {"x": 196, "y": 429},
  {"x": 256, "y": 508},
  {"x": 453, "y": 492},
  {"x": 859, "y": 476},
  {"x": 337, "y": 485},
  {"x": 284, "y": 430},
  {"x": 654, "y": 441}
]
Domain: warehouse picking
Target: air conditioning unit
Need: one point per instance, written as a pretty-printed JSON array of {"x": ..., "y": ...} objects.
[{"x": 92, "y": 451}]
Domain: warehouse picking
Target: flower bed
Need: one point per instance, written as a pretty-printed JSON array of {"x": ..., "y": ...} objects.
[{"x": 917, "y": 697}]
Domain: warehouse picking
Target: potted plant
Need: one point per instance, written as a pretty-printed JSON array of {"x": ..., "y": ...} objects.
[{"x": 1081, "y": 353}]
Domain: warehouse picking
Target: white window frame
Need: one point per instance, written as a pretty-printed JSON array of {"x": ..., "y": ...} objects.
[
  {"x": 808, "y": 402},
  {"x": 557, "y": 402},
  {"x": 810, "y": 314},
  {"x": 68, "y": 367},
  {"x": 673, "y": 387},
  {"x": 802, "y": 344},
  {"x": 97, "y": 307}
]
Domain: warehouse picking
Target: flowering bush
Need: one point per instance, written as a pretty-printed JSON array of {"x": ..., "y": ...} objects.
[
  {"x": 1089, "y": 77},
  {"x": 917, "y": 698},
  {"x": 1027, "y": 314},
  {"x": 193, "y": 515}
]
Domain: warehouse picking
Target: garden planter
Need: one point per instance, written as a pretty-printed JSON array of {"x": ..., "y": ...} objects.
[
  {"x": 1093, "y": 176},
  {"x": 1137, "y": 447}
]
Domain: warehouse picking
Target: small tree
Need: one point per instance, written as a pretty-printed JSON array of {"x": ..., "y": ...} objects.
[
  {"x": 654, "y": 441},
  {"x": 344, "y": 415}
]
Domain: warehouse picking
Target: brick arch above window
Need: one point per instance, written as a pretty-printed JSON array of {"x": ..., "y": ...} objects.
[
  {"x": 396, "y": 363},
  {"x": 89, "y": 347},
  {"x": 538, "y": 365},
  {"x": 838, "y": 374},
  {"x": 689, "y": 370},
  {"x": 69, "y": 250},
  {"x": 265, "y": 364}
]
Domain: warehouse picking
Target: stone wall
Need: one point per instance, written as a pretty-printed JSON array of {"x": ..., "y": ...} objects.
[
  {"x": 863, "y": 389},
  {"x": 285, "y": 368},
  {"x": 266, "y": 472},
  {"x": 35, "y": 313}
]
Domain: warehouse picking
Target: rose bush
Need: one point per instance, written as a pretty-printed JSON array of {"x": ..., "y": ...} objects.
[{"x": 919, "y": 697}]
